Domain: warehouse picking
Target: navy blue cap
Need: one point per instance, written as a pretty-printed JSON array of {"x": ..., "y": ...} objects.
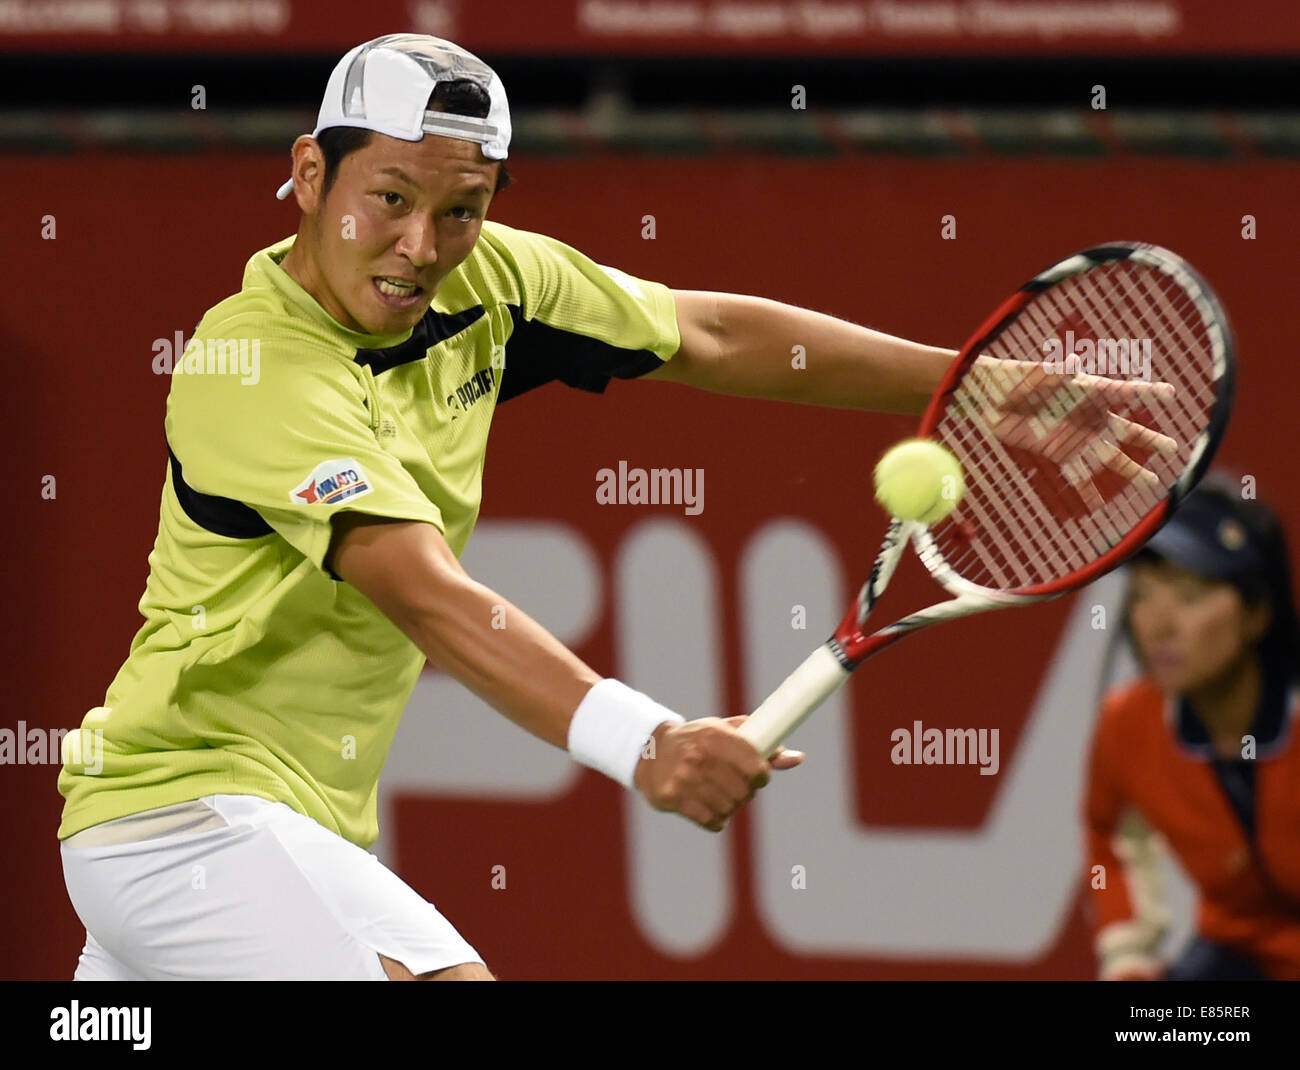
[{"x": 1205, "y": 537}]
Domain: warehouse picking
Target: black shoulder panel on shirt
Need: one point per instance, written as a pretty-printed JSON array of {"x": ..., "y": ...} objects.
[
  {"x": 539, "y": 353},
  {"x": 435, "y": 327},
  {"x": 221, "y": 516}
]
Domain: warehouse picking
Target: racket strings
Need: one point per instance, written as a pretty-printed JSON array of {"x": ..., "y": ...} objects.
[
  {"x": 984, "y": 459},
  {"x": 1053, "y": 453},
  {"x": 1171, "y": 320},
  {"x": 1089, "y": 298}
]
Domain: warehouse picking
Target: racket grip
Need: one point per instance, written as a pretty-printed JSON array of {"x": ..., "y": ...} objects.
[{"x": 811, "y": 684}]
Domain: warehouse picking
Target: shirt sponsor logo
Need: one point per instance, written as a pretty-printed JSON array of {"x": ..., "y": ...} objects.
[
  {"x": 330, "y": 483},
  {"x": 478, "y": 385}
]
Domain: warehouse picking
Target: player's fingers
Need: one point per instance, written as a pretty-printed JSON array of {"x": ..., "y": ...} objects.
[
  {"x": 735, "y": 750},
  {"x": 1023, "y": 385},
  {"x": 1154, "y": 396},
  {"x": 1091, "y": 495},
  {"x": 696, "y": 811},
  {"x": 1124, "y": 466},
  {"x": 1080, "y": 478},
  {"x": 734, "y": 784},
  {"x": 1064, "y": 441},
  {"x": 1125, "y": 391},
  {"x": 1016, "y": 429},
  {"x": 1132, "y": 433},
  {"x": 722, "y": 802},
  {"x": 782, "y": 758},
  {"x": 736, "y": 722},
  {"x": 1061, "y": 436}
]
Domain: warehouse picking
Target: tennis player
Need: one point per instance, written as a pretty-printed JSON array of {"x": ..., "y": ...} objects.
[
  {"x": 1200, "y": 755},
  {"x": 312, "y": 518}
]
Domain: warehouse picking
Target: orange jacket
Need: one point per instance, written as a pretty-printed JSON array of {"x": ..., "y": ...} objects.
[{"x": 1145, "y": 756}]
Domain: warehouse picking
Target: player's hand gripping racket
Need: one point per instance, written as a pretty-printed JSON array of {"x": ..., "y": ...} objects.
[{"x": 1082, "y": 411}]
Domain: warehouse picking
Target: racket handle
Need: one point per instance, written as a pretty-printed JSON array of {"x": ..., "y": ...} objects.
[{"x": 811, "y": 684}]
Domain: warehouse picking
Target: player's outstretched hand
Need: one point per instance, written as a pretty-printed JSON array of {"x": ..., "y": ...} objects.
[
  {"x": 1073, "y": 421},
  {"x": 705, "y": 770}
]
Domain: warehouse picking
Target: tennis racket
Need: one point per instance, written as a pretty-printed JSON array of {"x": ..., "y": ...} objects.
[{"x": 1083, "y": 410}]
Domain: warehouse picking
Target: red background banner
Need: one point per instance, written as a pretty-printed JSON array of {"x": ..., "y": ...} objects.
[
  {"x": 665, "y": 27},
  {"x": 145, "y": 244}
]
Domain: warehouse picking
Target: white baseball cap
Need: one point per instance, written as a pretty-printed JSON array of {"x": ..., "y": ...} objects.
[{"x": 384, "y": 86}]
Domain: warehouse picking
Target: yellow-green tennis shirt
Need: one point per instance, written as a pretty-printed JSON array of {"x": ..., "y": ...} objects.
[{"x": 256, "y": 672}]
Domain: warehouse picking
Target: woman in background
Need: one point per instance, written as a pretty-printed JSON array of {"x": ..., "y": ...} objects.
[{"x": 1202, "y": 752}]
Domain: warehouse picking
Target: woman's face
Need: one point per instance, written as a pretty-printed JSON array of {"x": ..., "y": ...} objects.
[{"x": 1189, "y": 631}]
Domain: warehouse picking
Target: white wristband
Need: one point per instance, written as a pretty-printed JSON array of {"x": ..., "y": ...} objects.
[{"x": 610, "y": 728}]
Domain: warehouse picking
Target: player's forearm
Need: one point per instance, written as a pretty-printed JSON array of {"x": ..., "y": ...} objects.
[
  {"x": 504, "y": 656},
  {"x": 754, "y": 347}
]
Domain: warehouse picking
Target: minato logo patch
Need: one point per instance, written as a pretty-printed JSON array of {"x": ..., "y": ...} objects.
[{"x": 331, "y": 482}]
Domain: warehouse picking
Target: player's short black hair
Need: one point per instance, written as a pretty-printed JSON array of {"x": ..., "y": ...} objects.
[
  {"x": 1270, "y": 585},
  {"x": 458, "y": 97}
]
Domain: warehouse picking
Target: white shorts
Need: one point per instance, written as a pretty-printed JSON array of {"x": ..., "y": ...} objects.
[{"x": 258, "y": 892}]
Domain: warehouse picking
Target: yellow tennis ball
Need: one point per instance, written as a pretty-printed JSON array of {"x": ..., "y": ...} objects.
[{"x": 919, "y": 480}]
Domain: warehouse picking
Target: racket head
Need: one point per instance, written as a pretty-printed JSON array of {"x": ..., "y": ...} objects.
[{"x": 1048, "y": 505}]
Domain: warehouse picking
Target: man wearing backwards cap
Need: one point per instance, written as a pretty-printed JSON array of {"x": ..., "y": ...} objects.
[
  {"x": 311, "y": 524},
  {"x": 1201, "y": 752}
]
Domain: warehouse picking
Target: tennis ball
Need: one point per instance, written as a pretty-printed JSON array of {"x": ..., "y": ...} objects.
[{"x": 919, "y": 480}]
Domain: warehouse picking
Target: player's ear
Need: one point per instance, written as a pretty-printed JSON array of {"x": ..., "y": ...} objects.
[
  {"x": 308, "y": 173},
  {"x": 503, "y": 178}
]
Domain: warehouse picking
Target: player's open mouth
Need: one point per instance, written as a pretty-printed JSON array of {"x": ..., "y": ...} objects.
[{"x": 397, "y": 293}]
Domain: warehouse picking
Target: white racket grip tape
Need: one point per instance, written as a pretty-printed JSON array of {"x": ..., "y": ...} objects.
[{"x": 811, "y": 684}]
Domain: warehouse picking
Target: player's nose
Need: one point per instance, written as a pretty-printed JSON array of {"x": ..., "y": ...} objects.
[{"x": 419, "y": 241}]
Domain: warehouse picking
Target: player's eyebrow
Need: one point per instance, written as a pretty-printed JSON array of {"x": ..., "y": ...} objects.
[
  {"x": 398, "y": 173},
  {"x": 480, "y": 190}
]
